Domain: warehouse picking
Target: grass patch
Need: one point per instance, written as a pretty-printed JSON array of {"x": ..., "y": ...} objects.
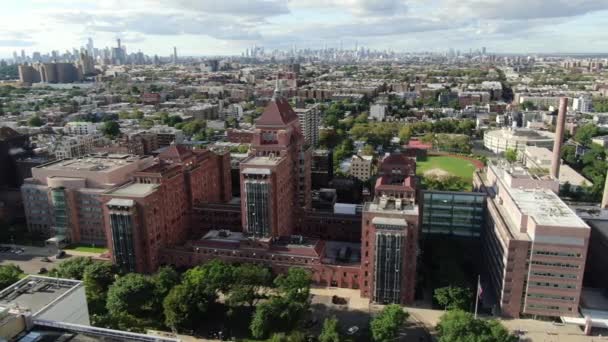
[
  {"x": 456, "y": 166},
  {"x": 87, "y": 249}
]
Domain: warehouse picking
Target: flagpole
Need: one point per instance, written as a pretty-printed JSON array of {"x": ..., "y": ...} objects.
[{"x": 477, "y": 294}]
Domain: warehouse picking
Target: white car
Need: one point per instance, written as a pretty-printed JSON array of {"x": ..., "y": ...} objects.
[{"x": 353, "y": 330}]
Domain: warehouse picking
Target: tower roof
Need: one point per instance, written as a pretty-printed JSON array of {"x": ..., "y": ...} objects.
[{"x": 278, "y": 112}]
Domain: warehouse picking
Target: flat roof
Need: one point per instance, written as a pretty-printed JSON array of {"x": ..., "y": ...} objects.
[
  {"x": 59, "y": 332},
  {"x": 263, "y": 161},
  {"x": 546, "y": 208},
  {"x": 254, "y": 171},
  {"x": 134, "y": 190},
  {"x": 389, "y": 221},
  {"x": 91, "y": 163},
  {"x": 36, "y": 292}
]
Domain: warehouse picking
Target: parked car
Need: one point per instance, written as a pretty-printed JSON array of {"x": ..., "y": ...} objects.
[
  {"x": 42, "y": 270},
  {"x": 60, "y": 254},
  {"x": 353, "y": 330}
]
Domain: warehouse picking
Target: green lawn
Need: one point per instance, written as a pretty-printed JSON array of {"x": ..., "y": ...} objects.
[
  {"x": 456, "y": 166},
  {"x": 88, "y": 249}
]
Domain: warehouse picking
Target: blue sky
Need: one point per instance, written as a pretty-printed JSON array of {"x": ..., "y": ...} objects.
[{"x": 210, "y": 27}]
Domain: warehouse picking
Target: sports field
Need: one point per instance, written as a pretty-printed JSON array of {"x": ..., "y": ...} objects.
[{"x": 453, "y": 165}]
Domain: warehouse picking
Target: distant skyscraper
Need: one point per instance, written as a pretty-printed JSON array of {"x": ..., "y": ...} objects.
[
  {"x": 483, "y": 50},
  {"x": 174, "y": 54},
  {"x": 90, "y": 47}
]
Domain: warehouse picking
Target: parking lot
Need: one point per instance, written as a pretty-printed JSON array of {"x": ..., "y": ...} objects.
[{"x": 31, "y": 259}]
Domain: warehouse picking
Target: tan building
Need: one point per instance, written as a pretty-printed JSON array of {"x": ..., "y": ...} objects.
[
  {"x": 361, "y": 167},
  {"x": 63, "y": 198},
  {"x": 535, "y": 246}
]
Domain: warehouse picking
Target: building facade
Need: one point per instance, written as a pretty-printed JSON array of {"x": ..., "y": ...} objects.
[{"x": 535, "y": 246}]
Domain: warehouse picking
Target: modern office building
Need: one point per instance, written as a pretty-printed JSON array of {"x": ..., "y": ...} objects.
[
  {"x": 458, "y": 214},
  {"x": 63, "y": 197},
  {"x": 535, "y": 246}
]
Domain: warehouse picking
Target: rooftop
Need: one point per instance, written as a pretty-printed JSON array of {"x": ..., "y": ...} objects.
[
  {"x": 521, "y": 134},
  {"x": 97, "y": 163},
  {"x": 390, "y": 205},
  {"x": 134, "y": 190},
  {"x": 59, "y": 332},
  {"x": 36, "y": 293},
  {"x": 262, "y": 161},
  {"x": 546, "y": 208}
]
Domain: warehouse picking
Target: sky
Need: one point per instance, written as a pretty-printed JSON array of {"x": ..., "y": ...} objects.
[{"x": 227, "y": 27}]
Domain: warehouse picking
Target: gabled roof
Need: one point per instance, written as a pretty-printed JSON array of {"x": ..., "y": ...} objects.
[
  {"x": 176, "y": 152},
  {"x": 278, "y": 112}
]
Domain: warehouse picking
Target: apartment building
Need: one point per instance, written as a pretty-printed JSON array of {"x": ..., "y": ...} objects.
[
  {"x": 309, "y": 119},
  {"x": 76, "y": 146},
  {"x": 361, "y": 167}
]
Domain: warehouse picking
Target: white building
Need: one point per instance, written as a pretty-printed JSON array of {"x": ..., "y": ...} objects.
[
  {"x": 378, "y": 111},
  {"x": 498, "y": 141},
  {"x": 76, "y": 146},
  {"x": 80, "y": 128},
  {"x": 309, "y": 123},
  {"x": 583, "y": 104}
]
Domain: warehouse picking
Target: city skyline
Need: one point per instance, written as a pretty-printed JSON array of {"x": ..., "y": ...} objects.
[{"x": 199, "y": 28}]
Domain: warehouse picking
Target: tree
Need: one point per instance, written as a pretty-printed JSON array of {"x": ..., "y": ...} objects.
[
  {"x": 330, "y": 331},
  {"x": 9, "y": 274},
  {"x": 131, "y": 300},
  {"x": 164, "y": 280},
  {"x": 368, "y": 150},
  {"x": 295, "y": 285},
  {"x": 262, "y": 321},
  {"x": 511, "y": 155},
  {"x": 457, "y": 326},
  {"x": 35, "y": 121},
  {"x": 110, "y": 129},
  {"x": 452, "y": 297},
  {"x": 74, "y": 268},
  {"x": 585, "y": 133},
  {"x": 97, "y": 277},
  {"x": 248, "y": 283},
  {"x": 385, "y": 326},
  {"x": 183, "y": 306}
]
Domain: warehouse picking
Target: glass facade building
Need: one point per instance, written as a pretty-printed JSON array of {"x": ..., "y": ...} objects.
[
  {"x": 389, "y": 263},
  {"x": 121, "y": 224},
  {"x": 453, "y": 213},
  {"x": 258, "y": 210}
]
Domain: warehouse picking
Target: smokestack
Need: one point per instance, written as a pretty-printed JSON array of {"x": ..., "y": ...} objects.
[
  {"x": 605, "y": 196},
  {"x": 559, "y": 137}
]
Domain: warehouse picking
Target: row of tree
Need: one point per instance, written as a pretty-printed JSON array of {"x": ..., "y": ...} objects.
[{"x": 458, "y": 325}]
